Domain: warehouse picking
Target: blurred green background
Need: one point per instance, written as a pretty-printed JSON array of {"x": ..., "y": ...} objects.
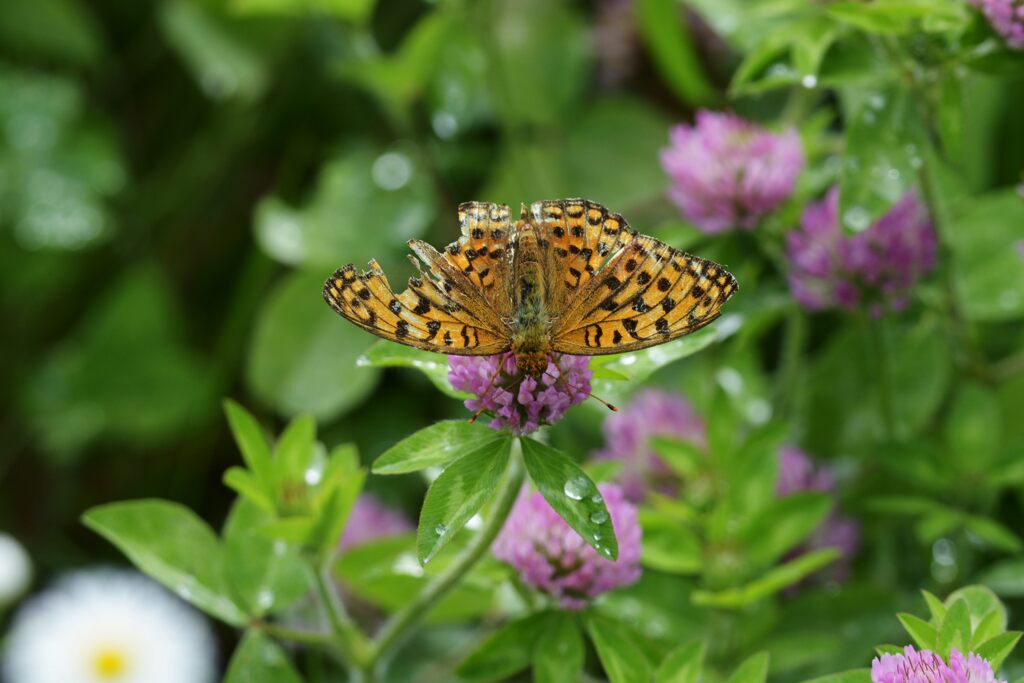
[{"x": 177, "y": 178}]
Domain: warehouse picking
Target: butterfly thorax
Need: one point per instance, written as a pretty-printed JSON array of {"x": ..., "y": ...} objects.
[{"x": 531, "y": 325}]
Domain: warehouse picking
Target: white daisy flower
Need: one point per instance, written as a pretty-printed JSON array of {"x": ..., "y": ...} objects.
[
  {"x": 106, "y": 626},
  {"x": 15, "y": 569}
]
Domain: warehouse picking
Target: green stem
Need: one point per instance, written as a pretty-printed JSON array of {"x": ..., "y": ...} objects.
[
  {"x": 297, "y": 635},
  {"x": 875, "y": 330},
  {"x": 401, "y": 621},
  {"x": 348, "y": 639},
  {"x": 791, "y": 359}
]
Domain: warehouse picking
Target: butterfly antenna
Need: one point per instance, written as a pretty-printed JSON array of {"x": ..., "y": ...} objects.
[{"x": 605, "y": 403}]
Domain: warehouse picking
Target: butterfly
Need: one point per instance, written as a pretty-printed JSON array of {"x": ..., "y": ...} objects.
[{"x": 568, "y": 277}]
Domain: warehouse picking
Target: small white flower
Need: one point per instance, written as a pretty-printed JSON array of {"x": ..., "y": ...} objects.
[
  {"x": 15, "y": 569},
  {"x": 106, "y": 626}
]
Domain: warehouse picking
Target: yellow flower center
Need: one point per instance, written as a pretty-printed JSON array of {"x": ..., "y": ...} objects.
[{"x": 109, "y": 664}]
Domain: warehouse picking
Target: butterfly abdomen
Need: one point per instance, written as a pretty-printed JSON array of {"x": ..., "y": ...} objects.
[{"x": 531, "y": 335}]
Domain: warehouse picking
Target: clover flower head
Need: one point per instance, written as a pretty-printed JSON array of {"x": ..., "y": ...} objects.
[
  {"x": 798, "y": 472},
  {"x": 518, "y": 402},
  {"x": 877, "y": 267},
  {"x": 553, "y": 558},
  {"x": 107, "y": 625},
  {"x": 927, "y": 667},
  {"x": 727, "y": 173},
  {"x": 627, "y": 433},
  {"x": 370, "y": 520},
  {"x": 1006, "y": 17}
]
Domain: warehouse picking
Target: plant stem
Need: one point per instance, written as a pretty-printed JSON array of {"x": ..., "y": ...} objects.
[
  {"x": 875, "y": 330},
  {"x": 401, "y": 621},
  {"x": 349, "y": 640},
  {"x": 297, "y": 635}
]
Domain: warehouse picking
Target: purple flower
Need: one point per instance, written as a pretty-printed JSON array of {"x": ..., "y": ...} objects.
[
  {"x": 876, "y": 267},
  {"x": 553, "y": 558},
  {"x": 797, "y": 472},
  {"x": 1006, "y": 17},
  {"x": 627, "y": 433},
  {"x": 518, "y": 402},
  {"x": 371, "y": 520},
  {"x": 927, "y": 667},
  {"x": 726, "y": 172}
]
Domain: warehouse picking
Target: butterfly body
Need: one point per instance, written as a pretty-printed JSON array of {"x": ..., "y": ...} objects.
[{"x": 567, "y": 277}]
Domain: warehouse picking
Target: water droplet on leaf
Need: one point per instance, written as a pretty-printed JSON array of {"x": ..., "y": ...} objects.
[
  {"x": 577, "y": 487},
  {"x": 599, "y": 517}
]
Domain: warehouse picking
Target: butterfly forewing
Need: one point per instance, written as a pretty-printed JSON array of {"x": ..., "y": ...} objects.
[{"x": 438, "y": 312}]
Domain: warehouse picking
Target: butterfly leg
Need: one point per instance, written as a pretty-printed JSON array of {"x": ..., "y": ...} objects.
[{"x": 561, "y": 377}]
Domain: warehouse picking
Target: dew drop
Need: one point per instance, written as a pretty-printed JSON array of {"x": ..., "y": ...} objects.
[
  {"x": 599, "y": 517},
  {"x": 809, "y": 81},
  {"x": 596, "y": 498},
  {"x": 893, "y": 174},
  {"x": 577, "y": 487},
  {"x": 440, "y": 529}
]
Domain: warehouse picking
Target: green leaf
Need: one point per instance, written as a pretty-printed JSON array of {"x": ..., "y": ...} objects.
[
  {"x": 782, "y": 525},
  {"x": 622, "y": 659},
  {"x": 141, "y": 388},
  {"x": 334, "y": 496},
  {"x": 302, "y": 357},
  {"x": 955, "y": 631},
  {"x": 683, "y": 664},
  {"x": 990, "y": 626},
  {"x": 458, "y": 494},
  {"x": 221, "y": 63},
  {"x": 851, "y": 676},
  {"x": 387, "y": 574},
  {"x": 435, "y": 446},
  {"x": 171, "y": 544},
  {"x": 1006, "y": 578},
  {"x": 996, "y": 649},
  {"x": 895, "y": 17},
  {"x": 558, "y": 654},
  {"x": 685, "y": 457},
  {"x": 367, "y": 203},
  {"x": 671, "y": 45},
  {"x": 506, "y": 651},
  {"x": 639, "y": 365},
  {"x": 668, "y": 545},
  {"x": 769, "y": 583},
  {"x": 386, "y": 354},
  {"x": 576, "y": 499},
  {"x": 923, "y": 633},
  {"x": 351, "y": 10},
  {"x": 252, "y": 443},
  {"x": 244, "y": 483},
  {"x": 753, "y": 670},
  {"x": 258, "y": 659},
  {"x": 935, "y": 608},
  {"x": 47, "y": 30},
  {"x": 541, "y": 53},
  {"x": 882, "y": 156},
  {"x": 986, "y": 266},
  {"x": 293, "y": 453},
  {"x": 972, "y": 429},
  {"x": 992, "y": 532},
  {"x": 981, "y": 601},
  {"x": 265, "y": 576}
]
